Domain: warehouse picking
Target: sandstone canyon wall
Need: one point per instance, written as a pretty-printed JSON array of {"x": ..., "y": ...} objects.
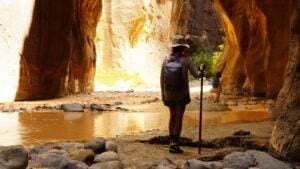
[
  {"x": 131, "y": 43},
  {"x": 262, "y": 55},
  {"x": 199, "y": 19},
  {"x": 15, "y": 18},
  {"x": 83, "y": 54},
  {"x": 59, "y": 54},
  {"x": 134, "y": 37},
  {"x": 285, "y": 140},
  {"x": 256, "y": 45}
]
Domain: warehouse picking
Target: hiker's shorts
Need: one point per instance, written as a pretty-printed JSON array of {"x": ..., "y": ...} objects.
[{"x": 184, "y": 101}]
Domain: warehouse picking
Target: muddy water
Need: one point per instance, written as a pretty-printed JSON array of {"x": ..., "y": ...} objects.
[{"x": 34, "y": 128}]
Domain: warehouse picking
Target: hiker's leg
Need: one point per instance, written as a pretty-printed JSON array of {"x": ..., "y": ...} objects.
[
  {"x": 172, "y": 121},
  {"x": 178, "y": 119}
]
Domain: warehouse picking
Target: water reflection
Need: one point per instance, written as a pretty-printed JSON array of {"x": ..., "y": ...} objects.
[
  {"x": 34, "y": 128},
  {"x": 46, "y": 127}
]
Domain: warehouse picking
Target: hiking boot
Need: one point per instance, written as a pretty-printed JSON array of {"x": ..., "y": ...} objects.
[
  {"x": 174, "y": 145},
  {"x": 175, "y": 150}
]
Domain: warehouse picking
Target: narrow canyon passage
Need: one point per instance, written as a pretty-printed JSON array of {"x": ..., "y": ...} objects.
[{"x": 52, "y": 49}]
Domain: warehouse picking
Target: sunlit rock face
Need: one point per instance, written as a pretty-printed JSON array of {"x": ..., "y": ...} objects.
[
  {"x": 285, "y": 140},
  {"x": 15, "y": 18},
  {"x": 132, "y": 41},
  {"x": 45, "y": 55},
  {"x": 59, "y": 53},
  {"x": 134, "y": 38},
  {"x": 82, "y": 64},
  {"x": 256, "y": 45}
]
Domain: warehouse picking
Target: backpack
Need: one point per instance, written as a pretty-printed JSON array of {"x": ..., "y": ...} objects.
[
  {"x": 216, "y": 82},
  {"x": 173, "y": 74}
]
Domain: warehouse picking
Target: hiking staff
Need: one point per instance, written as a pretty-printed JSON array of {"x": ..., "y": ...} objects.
[{"x": 202, "y": 68}]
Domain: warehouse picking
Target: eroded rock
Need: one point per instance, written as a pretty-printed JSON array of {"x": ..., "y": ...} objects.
[
  {"x": 266, "y": 161},
  {"x": 84, "y": 155},
  {"x": 13, "y": 157},
  {"x": 107, "y": 156},
  {"x": 197, "y": 164},
  {"x": 97, "y": 145},
  {"x": 111, "y": 146},
  {"x": 72, "y": 107},
  {"x": 108, "y": 165},
  {"x": 240, "y": 160}
]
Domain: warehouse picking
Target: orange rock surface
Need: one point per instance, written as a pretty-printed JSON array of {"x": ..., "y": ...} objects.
[
  {"x": 59, "y": 52},
  {"x": 256, "y": 45}
]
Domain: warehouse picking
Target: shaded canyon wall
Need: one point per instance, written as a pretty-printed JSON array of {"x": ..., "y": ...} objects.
[
  {"x": 59, "y": 52},
  {"x": 262, "y": 55},
  {"x": 198, "y": 19},
  {"x": 285, "y": 140},
  {"x": 256, "y": 45}
]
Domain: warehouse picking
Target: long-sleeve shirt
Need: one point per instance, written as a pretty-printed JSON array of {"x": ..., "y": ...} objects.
[{"x": 188, "y": 66}]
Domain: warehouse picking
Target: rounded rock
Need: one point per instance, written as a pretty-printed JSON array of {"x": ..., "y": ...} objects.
[
  {"x": 84, "y": 155},
  {"x": 108, "y": 165},
  {"x": 239, "y": 160},
  {"x": 107, "y": 156},
  {"x": 98, "y": 145},
  {"x": 111, "y": 146},
  {"x": 12, "y": 157},
  {"x": 72, "y": 107}
]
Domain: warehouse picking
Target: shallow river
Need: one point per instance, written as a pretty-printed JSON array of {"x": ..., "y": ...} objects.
[{"x": 33, "y": 128}]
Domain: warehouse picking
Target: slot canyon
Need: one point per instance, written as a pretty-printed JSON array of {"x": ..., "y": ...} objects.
[{"x": 57, "y": 48}]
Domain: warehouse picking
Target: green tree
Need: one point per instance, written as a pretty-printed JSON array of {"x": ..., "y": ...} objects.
[{"x": 209, "y": 58}]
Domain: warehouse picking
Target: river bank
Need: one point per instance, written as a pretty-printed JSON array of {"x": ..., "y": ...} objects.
[{"x": 145, "y": 118}]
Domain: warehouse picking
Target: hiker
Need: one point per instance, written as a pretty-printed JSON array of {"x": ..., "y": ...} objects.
[
  {"x": 217, "y": 86},
  {"x": 175, "y": 87}
]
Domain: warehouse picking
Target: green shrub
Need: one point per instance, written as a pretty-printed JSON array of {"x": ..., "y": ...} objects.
[{"x": 209, "y": 58}]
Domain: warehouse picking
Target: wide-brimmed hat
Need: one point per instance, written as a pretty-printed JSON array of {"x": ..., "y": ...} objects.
[{"x": 179, "y": 40}]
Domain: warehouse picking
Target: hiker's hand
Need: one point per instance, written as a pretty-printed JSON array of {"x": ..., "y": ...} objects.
[{"x": 201, "y": 73}]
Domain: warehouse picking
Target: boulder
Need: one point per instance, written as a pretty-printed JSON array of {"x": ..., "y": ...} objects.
[
  {"x": 111, "y": 146},
  {"x": 97, "y": 107},
  {"x": 13, "y": 157},
  {"x": 240, "y": 160},
  {"x": 84, "y": 155},
  {"x": 266, "y": 161},
  {"x": 73, "y": 164},
  {"x": 52, "y": 160},
  {"x": 107, "y": 156},
  {"x": 108, "y": 165},
  {"x": 58, "y": 161},
  {"x": 72, "y": 107},
  {"x": 97, "y": 145},
  {"x": 67, "y": 146},
  {"x": 197, "y": 164}
]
